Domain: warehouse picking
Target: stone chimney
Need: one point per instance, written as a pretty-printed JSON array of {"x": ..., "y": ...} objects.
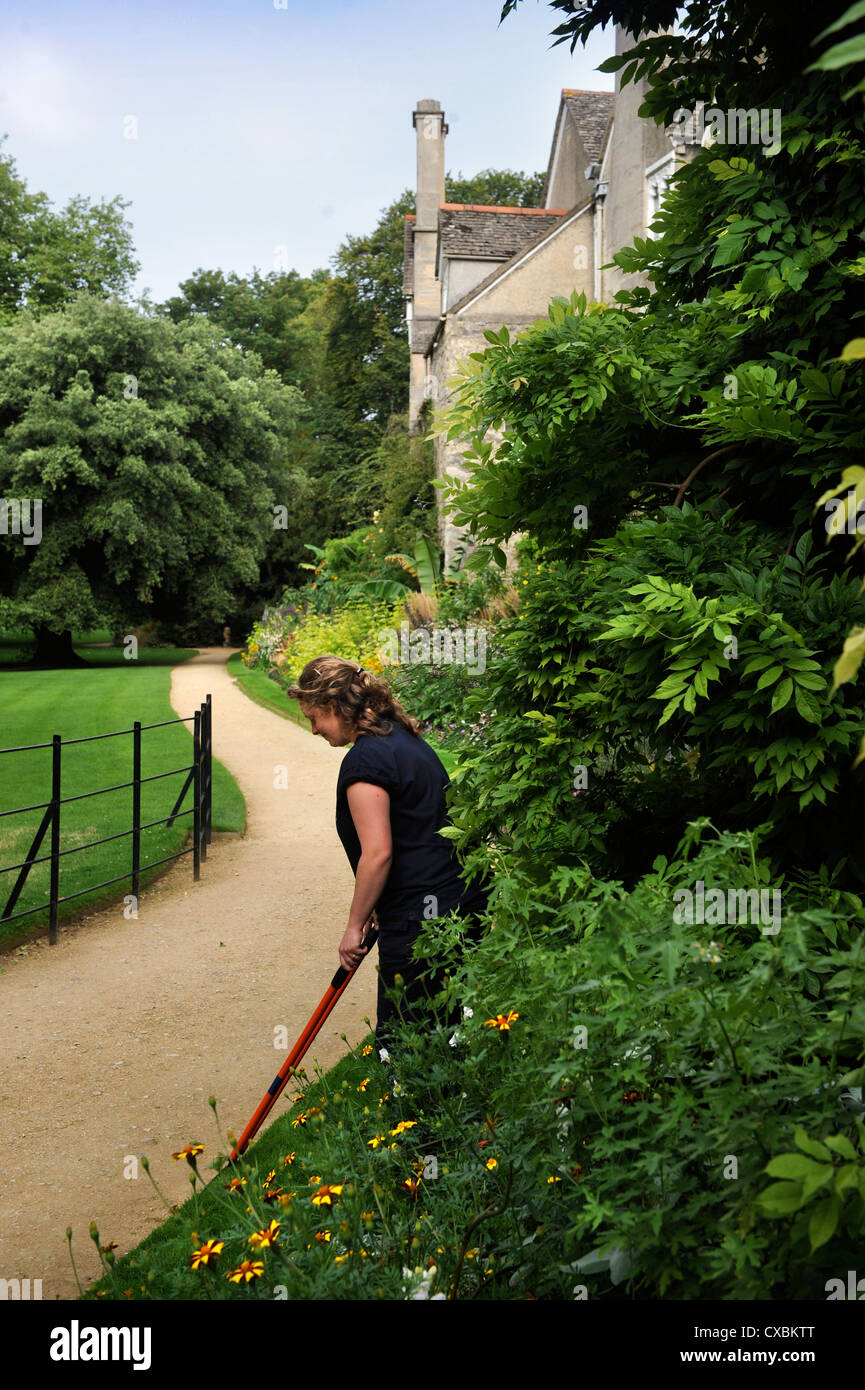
[{"x": 429, "y": 123}]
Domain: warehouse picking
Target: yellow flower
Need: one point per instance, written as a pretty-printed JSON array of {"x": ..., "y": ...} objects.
[
  {"x": 367, "y": 1050},
  {"x": 554, "y": 1178},
  {"x": 248, "y": 1270},
  {"x": 261, "y": 1240},
  {"x": 326, "y": 1193},
  {"x": 502, "y": 1021},
  {"x": 375, "y": 1141},
  {"x": 289, "y": 1158},
  {"x": 322, "y": 1235},
  {"x": 491, "y": 1163},
  {"x": 403, "y": 1126},
  {"x": 316, "y": 1177},
  {"x": 189, "y": 1152},
  {"x": 235, "y": 1185},
  {"x": 270, "y": 1177},
  {"x": 285, "y": 1200},
  {"x": 363, "y": 1085},
  {"x": 299, "y": 1120},
  {"x": 209, "y": 1251}
]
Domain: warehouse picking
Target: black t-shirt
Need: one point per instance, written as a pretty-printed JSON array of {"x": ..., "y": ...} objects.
[{"x": 424, "y": 863}]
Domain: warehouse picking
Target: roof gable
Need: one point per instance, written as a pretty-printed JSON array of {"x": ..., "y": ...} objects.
[{"x": 474, "y": 232}]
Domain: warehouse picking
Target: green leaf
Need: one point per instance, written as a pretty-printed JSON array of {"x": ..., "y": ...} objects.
[
  {"x": 769, "y": 677},
  {"x": 850, "y": 16},
  {"x": 781, "y": 695},
  {"x": 796, "y": 1167},
  {"x": 850, "y": 659},
  {"x": 781, "y": 1198},
  {"x": 811, "y": 1146},
  {"x": 841, "y": 1145},
  {"x": 824, "y": 1221}
]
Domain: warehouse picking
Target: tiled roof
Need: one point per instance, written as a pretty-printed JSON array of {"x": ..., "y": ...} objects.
[
  {"x": 500, "y": 270},
  {"x": 591, "y": 111},
  {"x": 408, "y": 255},
  {"x": 490, "y": 233}
]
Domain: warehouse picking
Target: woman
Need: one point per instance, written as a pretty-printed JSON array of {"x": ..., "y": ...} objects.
[{"x": 390, "y": 802}]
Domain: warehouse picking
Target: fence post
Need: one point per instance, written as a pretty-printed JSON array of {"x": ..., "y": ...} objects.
[
  {"x": 196, "y": 797},
  {"x": 202, "y": 783},
  {"x": 136, "y": 808},
  {"x": 209, "y": 770},
  {"x": 55, "y": 838}
]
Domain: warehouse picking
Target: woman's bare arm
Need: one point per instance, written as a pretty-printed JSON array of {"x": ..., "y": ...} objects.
[{"x": 370, "y": 810}]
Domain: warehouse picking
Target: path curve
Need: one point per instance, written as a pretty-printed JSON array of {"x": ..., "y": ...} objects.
[{"x": 112, "y": 1040}]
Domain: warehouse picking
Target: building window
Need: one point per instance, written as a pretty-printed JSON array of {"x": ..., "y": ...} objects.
[{"x": 658, "y": 176}]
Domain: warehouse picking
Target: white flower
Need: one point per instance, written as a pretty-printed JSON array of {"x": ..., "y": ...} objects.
[
  {"x": 468, "y": 1013},
  {"x": 397, "y": 1089},
  {"x": 383, "y": 1054},
  {"x": 419, "y": 1282}
]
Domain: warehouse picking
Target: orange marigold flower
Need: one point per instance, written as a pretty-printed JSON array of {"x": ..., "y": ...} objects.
[
  {"x": 270, "y": 1177},
  {"x": 363, "y": 1085},
  {"x": 285, "y": 1199},
  {"x": 272, "y": 1195},
  {"x": 316, "y": 1177},
  {"x": 502, "y": 1021},
  {"x": 299, "y": 1119},
  {"x": 261, "y": 1240},
  {"x": 375, "y": 1141},
  {"x": 209, "y": 1251},
  {"x": 247, "y": 1270},
  {"x": 322, "y": 1235},
  {"x": 403, "y": 1126},
  {"x": 411, "y": 1184},
  {"x": 189, "y": 1152},
  {"x": 367, "y": 1050},
  {"x": 235, "y": 1185},
  {"x": 491, "y": 1163},
  {"x": 326, "y": 1193},
  {"x": 289, "y": 1158}
]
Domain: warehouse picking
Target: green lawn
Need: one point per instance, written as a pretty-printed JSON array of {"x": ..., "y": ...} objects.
[
  {"x": 264, "y": 691},
  {"x": 34, "y": 705}
]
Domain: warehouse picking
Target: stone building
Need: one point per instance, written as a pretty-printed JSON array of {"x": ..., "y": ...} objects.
[{"x": 468, "y": 269}]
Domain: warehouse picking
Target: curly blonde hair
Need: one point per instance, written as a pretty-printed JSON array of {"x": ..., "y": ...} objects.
[{"x": 359, "y": 699}]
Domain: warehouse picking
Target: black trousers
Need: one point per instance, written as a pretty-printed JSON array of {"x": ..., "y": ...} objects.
[{"x": 395, "y": 958}]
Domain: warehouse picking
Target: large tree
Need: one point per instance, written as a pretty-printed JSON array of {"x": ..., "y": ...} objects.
[{"x": 158, "y": 452}]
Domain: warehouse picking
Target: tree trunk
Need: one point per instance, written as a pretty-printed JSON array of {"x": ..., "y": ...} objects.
[{"x": 54, "y": 649}]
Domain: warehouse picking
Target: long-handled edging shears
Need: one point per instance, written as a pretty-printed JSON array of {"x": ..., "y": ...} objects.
[{"x": 337, "y": 986}]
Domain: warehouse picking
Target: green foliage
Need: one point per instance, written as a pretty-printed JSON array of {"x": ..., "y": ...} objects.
[
  {"x": 158, "y": 452},
  {"x": 47, "y": 257},
  {"x": 606, "y": 1120},
  {"x": 350, "y": 631}
]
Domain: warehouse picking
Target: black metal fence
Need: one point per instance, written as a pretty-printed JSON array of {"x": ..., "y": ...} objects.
[{"x": 198, "y": 776}]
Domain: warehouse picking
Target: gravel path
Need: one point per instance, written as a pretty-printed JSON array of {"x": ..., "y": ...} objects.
[{"x": 113, "y": 1039}]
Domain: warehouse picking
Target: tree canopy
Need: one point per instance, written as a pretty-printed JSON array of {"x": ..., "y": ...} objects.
[
  {"x": 47, "y": 257},
  {"x": 158, "y": 451}
]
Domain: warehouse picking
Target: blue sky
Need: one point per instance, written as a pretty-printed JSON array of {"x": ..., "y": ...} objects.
[{"x": 264, "y": 135}]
